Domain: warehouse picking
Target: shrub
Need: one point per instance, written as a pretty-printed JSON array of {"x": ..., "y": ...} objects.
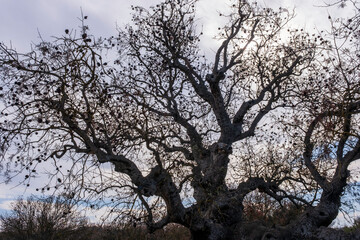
[{"x": 51, "y": 218}]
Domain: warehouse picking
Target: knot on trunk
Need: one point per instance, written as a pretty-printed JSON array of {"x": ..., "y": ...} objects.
[
  {"x": 215, "y": 77},
  {"x": 221, "y": 148},
  {"x": 148, "y": 187}
]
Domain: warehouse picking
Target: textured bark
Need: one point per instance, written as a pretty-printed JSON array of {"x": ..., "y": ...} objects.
[{"x": 324, "y": 233}]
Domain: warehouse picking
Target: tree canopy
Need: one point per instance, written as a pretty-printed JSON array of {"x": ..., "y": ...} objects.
[{"x": 150, "y": 126}]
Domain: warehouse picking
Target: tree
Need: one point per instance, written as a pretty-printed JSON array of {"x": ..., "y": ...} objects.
[
  {"x": 47, "y": 218},
  {"x": 164, "y": 135}
]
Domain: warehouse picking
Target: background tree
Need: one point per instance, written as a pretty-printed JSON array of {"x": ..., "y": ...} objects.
[
  {"x": 163, "y": 135},
  {"x": 47, "y": 218}
]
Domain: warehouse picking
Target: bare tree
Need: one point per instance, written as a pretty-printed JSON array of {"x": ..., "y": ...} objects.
[
  {"x": 47, "y": 218},
  {"x": 164, "y": 135}
]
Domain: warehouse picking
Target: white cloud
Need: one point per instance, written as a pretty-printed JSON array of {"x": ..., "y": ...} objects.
[
  {"x": 6, "y": 205},
  {"x": 345, "y": 219}
]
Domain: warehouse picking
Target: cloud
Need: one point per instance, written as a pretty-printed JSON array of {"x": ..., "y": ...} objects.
[
  {"x": 21, "y": 20},
  {"x": 6, "y": 205}
]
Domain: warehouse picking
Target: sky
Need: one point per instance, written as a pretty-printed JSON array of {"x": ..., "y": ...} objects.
[{"x": 22, "y": 22}]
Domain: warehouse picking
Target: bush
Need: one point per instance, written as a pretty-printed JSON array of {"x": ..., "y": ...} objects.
[
  {"x": 127, "y": 232},
  {"x": 55, "y": 218},
  {"x": 354, "y": 228},
  {"x": 51, "y": 218}
]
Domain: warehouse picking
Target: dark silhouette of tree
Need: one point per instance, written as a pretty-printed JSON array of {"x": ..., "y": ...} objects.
[
  {"x": 162, "y": 134},
  {"x": 46, "y": 218}
]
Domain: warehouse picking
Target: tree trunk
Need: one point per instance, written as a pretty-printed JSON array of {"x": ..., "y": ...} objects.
[
  {"x": 324, "y": 233},
  {"x": 213, "y": 232}
]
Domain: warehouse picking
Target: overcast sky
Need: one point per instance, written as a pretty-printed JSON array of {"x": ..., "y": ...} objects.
[{"x": 21, "y": 21}]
